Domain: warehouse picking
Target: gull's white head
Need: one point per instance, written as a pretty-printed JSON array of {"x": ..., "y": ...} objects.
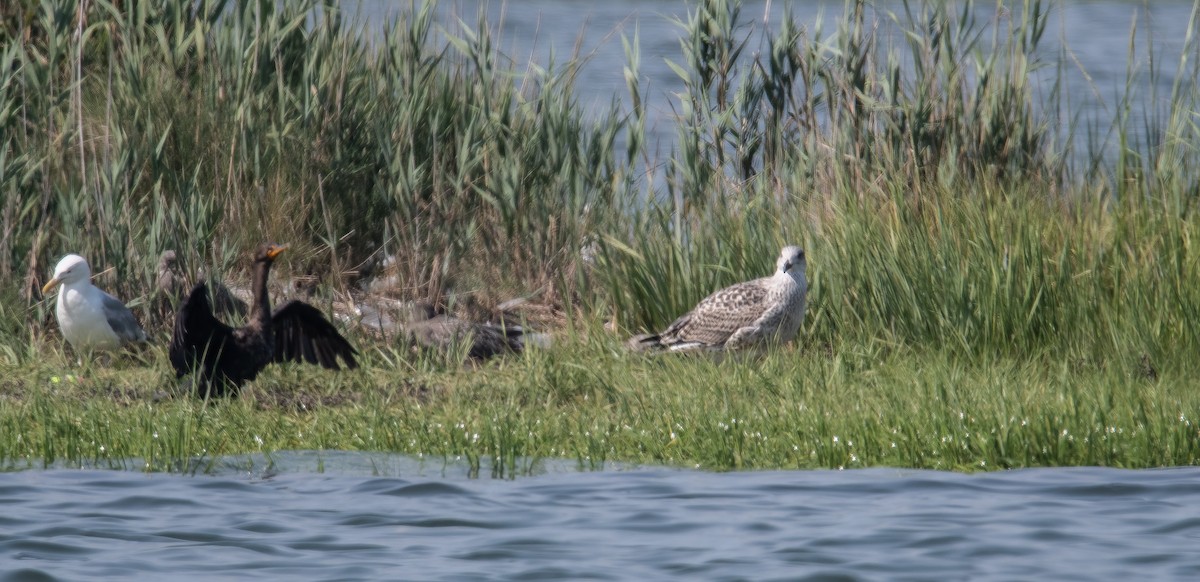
[
  {"x": 71, "y": 269},
  {"x": 791, "y": 261}
]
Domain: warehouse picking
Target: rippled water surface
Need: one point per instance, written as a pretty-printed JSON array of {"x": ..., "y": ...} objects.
[
  {"x": 434, "y": 523},
  {"x": 1096, "y": 68}
]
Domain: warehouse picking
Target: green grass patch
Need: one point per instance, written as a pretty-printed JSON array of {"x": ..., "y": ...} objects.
[{"x": 590, "y": 401}]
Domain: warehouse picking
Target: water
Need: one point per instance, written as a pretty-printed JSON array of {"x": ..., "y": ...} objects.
[
  {"x": 1097, "y": 33},
  {"x": 431, "y": 522}
]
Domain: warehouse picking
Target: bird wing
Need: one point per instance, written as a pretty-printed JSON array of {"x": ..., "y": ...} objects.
[
  {"x": 198, "y": 334},
  {"x": 226, "y": 303},
  {"x": 443, "y": 332},
  {"x": 488, "y": 340},
  {"x": 120, "y": 319},
  {"x": 302, "y": 334},
  {"x": 717, "y": 316}
]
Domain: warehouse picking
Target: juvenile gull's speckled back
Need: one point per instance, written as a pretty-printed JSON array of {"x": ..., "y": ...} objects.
[{"x": 754, "y": 313}]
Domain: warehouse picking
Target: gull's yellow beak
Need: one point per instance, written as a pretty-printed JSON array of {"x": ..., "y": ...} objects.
[
  {"x": 50, "y": 285},
  {"x": 275, "y": 250}
]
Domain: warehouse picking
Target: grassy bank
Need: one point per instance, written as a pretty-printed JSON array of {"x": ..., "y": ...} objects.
[
  {"x": 859, "y": 407},
  {"x": 983, "y": 295}
]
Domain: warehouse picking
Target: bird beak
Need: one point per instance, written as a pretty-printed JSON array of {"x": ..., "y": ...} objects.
[
  {"x": 275, "y": 251},
  {"x": 50, "y": 285}
]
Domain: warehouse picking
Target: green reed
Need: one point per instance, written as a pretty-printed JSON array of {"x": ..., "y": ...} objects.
[
  {"x": 938, "y": 206},
  {"x": 132, "y": 130}
]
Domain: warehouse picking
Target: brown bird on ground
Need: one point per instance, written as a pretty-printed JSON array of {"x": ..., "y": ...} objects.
[
  {"x": 442, "y": 332},
  {"x": 222, "y": 358}
]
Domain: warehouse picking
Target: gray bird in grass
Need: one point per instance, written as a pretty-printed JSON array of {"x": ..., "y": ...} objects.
[
  {"x": 89, "y": 318},
  {"x": 750, "y": 314},
  {"x": 433, "y": 330}
]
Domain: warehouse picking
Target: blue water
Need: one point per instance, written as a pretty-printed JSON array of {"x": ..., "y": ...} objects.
[
  {"x": 376, "y": 517},
  {"x": 1095, "y": 34}
]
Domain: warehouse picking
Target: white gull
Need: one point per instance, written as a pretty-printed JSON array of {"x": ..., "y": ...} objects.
[{"x": 89, "y": 318}]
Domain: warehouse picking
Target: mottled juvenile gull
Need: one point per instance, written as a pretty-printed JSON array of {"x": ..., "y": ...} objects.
[
  {"x": 169, "y": 285},
  {"x": 89, "y": 318},
  {"x": 750, "y": 314},
  {"x": 222, "y": 358},
  {"x": 170, "y": 282}
]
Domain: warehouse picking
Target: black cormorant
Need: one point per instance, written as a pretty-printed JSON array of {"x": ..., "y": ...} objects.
[{"x": 222, "y": 358}]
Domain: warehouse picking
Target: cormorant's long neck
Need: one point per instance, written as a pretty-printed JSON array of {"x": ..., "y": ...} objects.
[{"x": 260, "y": 312}]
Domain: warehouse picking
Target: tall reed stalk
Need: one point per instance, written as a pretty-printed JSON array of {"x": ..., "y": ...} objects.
[{"x": 207, "y": 127}]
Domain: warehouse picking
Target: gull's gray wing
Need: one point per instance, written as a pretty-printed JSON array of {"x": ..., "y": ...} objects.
[{"x": 121, "y": 319}]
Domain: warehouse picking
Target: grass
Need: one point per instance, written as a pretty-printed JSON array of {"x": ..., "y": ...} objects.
[
  {"x": 994, "y": 282},
  {"x": 806, "y": 408}
]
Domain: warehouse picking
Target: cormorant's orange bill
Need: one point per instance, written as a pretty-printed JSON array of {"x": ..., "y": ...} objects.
[{"x": 275, "y": 250}]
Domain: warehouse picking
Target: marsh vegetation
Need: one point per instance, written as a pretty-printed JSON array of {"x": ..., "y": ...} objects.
[{"x": 994, "y": 281}]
